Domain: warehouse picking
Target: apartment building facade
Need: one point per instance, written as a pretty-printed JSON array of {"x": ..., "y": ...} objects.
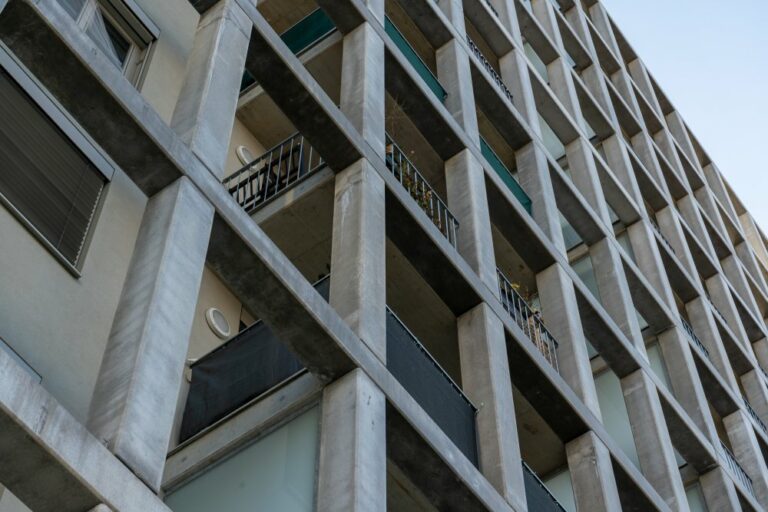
[{"x": 365, "y": 255}]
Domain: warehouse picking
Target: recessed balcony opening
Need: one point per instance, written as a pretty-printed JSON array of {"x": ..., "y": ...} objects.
[{"x": 547, "y": 478}]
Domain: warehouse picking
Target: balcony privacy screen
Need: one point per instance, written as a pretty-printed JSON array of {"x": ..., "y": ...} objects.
[
  {"x": 431, "y": 387},
  {"x": 537, "y": 495},
  {"x": 44, "y": 179},
  {"x": 246, "y": 366}
]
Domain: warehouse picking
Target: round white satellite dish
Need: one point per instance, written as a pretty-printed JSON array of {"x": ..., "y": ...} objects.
[
  {"x": 244, "y": 155},
  {"x": 218, "y": 323}
]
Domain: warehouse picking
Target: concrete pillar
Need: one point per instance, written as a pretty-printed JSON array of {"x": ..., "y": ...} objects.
[
  {"x": 508, "y": 17},
  {"x": 703, "y": 323},
  {"x": 685, "y": 381},
  {"x": 752, "y": 234},
  {"x": 689, "y": 211},
  {"x": 648, "y": 259},
  {"x": 594, "y": 484},
  {"x": 358, "y": 248},
  {"x": 672, "y": 229},
  {"x": 583, "y": 171},
  {"x": 735, "y": 274},
  {"x": 654, "y": 446},
  {"x": 646, "y": 153},
  {"x": 134, "y": 401},
  {"x": 453, "y": 71},
  {"x": 454, "y": 11},
  {"x": 715, "y": 181},
  {"x": 667, "y": 146},
  {"x": 617, "y": 158},
  {"x": 515, "y": 74},
  {"x": 643, "y": 80},
  {"x": 623, "y": 83},
  {"x": 486, "y": 381},
  {"x": 544, "y": 11},
  {"x": 561, "y": 82},
  {"x": 719, "y": 490},
  {"x": 205, "y": 112},
  {"x": 749, "y": 259},
  {"x": 602, "y": 23},
  {"x": 593, "y": 79},
  {"x": 721, "y": 296},
  {"x": 614, "y": 290},
  {"x": 560, "y": 312},
  {"x": 578, "y": 20},
  {"x": 680, "y": 132},
  {"x": 468, "y": 201},
  {"x": 748, "y": 453},
  {"x": 760, "y": 348},
  {"x": 756, "y": 392},
  {"x": 353, "y": 453}
]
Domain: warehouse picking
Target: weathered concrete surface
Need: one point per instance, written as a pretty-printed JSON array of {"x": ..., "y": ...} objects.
[
  {"x": 352, "y": 475},
  {"x": 746, "y": 449},
  {"x": 594, "y": 484},
  {"x": 51, "y": 462},
  {"x": 208, "y": 99},
  {"x": 486, "y": 381},
  {"x": 135, "y": 397},
  {"x": 719, "y": 491}
]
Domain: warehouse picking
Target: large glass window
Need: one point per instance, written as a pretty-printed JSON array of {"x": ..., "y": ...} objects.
[
  {"x": 44, "y": 179},
  {"x": 277, "y": 472}
]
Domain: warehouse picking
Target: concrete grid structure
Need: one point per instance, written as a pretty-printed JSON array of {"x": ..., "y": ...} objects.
[{"x": 543, "y": 294}]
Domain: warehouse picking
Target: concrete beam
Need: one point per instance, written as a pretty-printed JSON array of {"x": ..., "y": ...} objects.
[
  {"x": 594, "y": 485},
  {"x": 51, "y": 462},
  {"x": 719, "y": 491},
  {"x": 748, "y": 453}
]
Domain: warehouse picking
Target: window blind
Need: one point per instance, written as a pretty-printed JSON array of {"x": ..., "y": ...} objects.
[{"x": 43, "y": 176}]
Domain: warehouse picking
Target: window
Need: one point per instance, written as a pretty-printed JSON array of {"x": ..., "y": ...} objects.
[
  {"x": 118, "y": 29},
  {"x": 45, "y": 180}
]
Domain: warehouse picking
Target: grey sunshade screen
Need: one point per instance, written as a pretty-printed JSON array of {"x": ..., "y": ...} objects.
[{"x": 42, "y": 175}]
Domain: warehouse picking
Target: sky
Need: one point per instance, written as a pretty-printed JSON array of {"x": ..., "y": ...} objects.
[{"x": 710, "y": 57}]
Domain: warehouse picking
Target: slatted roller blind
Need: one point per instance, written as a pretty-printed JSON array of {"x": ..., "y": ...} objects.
[{"x": 43, "y": 176}]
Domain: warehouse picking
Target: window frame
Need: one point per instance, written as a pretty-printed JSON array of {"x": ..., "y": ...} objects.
[{"x": 76, "y": 136}]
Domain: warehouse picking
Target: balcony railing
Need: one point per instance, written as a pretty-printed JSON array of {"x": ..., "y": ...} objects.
[
  {"x": 694, "y": 338},
  {"x": 411, "y": 56},
  {"x": 735, "y": 468},
  {"x": 249, "y": 364},
  {"x": 505, "y": 175},
  {"x": 528, "y": 320},
  {"x": 537, "y": 494},
  {"x": 274, "y": 172},
  {"x": 309, "y": 31},
  {"x": 754, "y": 415},
  {"x": 421, "y": 191},
  {"x": 487, "y": 65},
  {"x": 418, "y": 372}
]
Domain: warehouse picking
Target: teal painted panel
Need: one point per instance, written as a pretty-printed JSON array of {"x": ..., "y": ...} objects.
[
  {"x": 311, "y": 29},
  {"x": 413, "y": 57},
  {"x": 505, "y": 175}
]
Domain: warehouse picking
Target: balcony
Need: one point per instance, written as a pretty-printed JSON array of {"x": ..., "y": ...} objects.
[
  {"x": 307, "y": 32},
  {"x": 487, "y": 65},
  {"x": 506, "y": 176},
  {"x": 411, "y": 56},
  {"x": 274, "y": 172},
  {"x": 249, "y": 364},
  {"x": 735, "y": 468},
  {"x": 421, "y": 191},
  {"x": 695, "y": 339},
  {"x": 537, "y": 494},
  {"x": 434, "y": 390},
  {"x": 528, "y": 320}
]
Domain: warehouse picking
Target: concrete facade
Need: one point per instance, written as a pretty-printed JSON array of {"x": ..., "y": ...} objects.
[{"x": 543, "y": 294}]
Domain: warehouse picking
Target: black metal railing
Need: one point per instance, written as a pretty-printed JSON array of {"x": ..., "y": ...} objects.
[
  {"x": 537, "y": 494},
  {"x": 421, "y": 375},
  {"x": 735, "y": 468},
  {"x": 754, "y": 415},
  {"x": 487, "y": 65},
  {"x": 421, "y": 191},
  {"x": 247, "y": 365},
  {"x": 694, "y": 338},
  {"x": 274, "y": 172},
  {"x": 664, "y": 239},
  {"x": 528, "y": 320}
]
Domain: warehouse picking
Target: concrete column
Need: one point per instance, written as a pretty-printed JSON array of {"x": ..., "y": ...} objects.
[
  {"x": 748, "y": 453},
  {"x": 654, "y": 446},
  {"x": 689, "y": 211},
  {"x": 486, "y": 381},
  {"x": 205, "y": 112},
  {"x": 583, "y": 171},
  {"x": 134, "y": 401},
  {"x": 454, "y": 11},
  {"x": 643, "y": 80},
  {"x": 752, "y": 234},
  {"x": 735, "y": 274},
  {"x": 648, "y": 259},
  {"x": 617, "y": 158},
  {"x": 614, "y": 290},
  {"x": 515, "y": 74},
  {"x": 594, "y": 484},
  {"x": 560, "y": 312},
  {"x": 748, "y": 258},
  {"x": 508, "y": 17},
  {"x": 685, "y": 381},
  {"x": 667, "y": 146},
  {"x": 561, "y": 82},
  {"x": 623, "y": 83},
  {"x": 352, "y": 474},
  {"x": 534, "y": 176},
  {"x": 593, "y": 79},
  {"x": 358, "y": 248},
  {"x": 602, "y": 22},
  {"x": 672, "y": 229},
  {"x": 704, "y": 325},
  {"x": 719, "y": 490},
  {"x": 358, "y": 254},
  {"x": 721, "y": 296},
  {"x": 715, "y": 181},
  {"x": 578, "y": 20},
  {"x": 645, "y": 151},
  {"x": 680, "y": 132},
  {"x": 756, "y": 392},
  {"x": 760, "y": 347},
  {"x": 544, "y": 11},
  {"x": 453, "y": 71}
]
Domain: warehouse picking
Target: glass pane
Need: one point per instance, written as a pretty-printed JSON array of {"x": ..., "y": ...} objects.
[
  {"x": 108, "y": 38},
  {"x": 277, "y": 472}
]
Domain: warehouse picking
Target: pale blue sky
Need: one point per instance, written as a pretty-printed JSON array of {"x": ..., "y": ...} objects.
[{"x": 711, "y": 59}]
